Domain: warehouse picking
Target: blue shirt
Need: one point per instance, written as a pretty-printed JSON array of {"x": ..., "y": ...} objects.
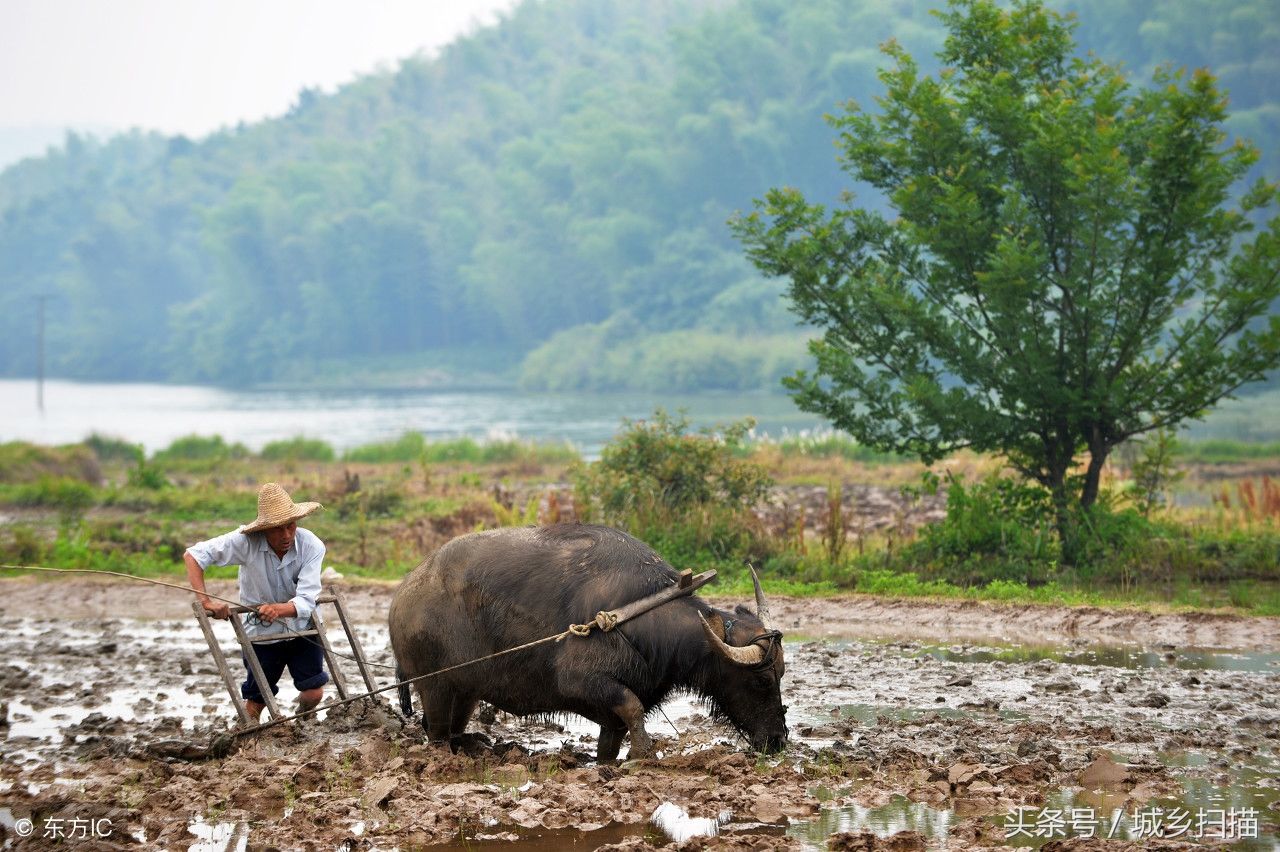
[{"x": 266, "y": 578}]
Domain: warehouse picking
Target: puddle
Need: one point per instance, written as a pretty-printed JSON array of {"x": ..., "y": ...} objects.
[
  {"x": 673, "y": 821},
  {"x": 1119, "y": 657},
  {"x": 870, "y": 714},
  {"x": 898, "y": 814},
  {"x": 218, "y": 836}
]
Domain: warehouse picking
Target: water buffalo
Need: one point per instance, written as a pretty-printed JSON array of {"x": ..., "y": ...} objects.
[{"x": 493, "y": 590}]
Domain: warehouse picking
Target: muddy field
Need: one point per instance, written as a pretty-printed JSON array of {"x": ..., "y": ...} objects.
[{"x": 914, "y": 725}]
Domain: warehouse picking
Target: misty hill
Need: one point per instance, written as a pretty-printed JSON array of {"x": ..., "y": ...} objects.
[{"x": 545, "y": 200}]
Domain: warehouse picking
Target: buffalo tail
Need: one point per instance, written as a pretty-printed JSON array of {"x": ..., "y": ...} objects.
[{"x": 406, "y": 701}]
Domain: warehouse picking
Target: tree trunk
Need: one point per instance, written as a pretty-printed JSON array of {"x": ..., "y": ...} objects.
[
  {"x": 1068, "y": 530},
  {"x": 1098, "y": 451},
  {"x": 1062, "y": 508},
  {"x": 1093, "y": 476}
]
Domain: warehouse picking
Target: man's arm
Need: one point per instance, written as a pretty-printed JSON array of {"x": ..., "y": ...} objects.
[
  {"x": 229, "y": 549},
  {"x": 195, "y": 576},
  {"x": 304, "y": 597}
]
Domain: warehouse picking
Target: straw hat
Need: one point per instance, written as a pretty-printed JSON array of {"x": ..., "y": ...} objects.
[{"x": 276, "y": 508}]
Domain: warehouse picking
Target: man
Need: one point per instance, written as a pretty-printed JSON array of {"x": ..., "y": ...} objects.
[{"x": 280, "y": 578}]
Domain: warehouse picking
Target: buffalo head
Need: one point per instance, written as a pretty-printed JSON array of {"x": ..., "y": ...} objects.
[{"x": 747, "y": 668}]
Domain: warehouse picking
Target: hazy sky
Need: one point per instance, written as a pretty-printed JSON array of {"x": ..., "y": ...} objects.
[{"x": 191, "y": 66}]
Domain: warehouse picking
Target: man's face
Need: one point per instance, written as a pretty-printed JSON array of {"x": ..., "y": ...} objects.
[{"x": 281, "y": 538}]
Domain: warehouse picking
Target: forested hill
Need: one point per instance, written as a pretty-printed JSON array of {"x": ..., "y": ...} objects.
[{"x": 545, "y": 200}]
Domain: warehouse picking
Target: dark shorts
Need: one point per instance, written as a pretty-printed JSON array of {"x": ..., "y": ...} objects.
[{"x": 303, "y": 659}]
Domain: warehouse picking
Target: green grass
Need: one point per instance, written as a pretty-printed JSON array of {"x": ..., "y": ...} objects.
[
  {"x": 298, "y": 449},
  {"x": 835, "y": 445},
  {"x": 204, "y": 503},
  {"x": 414, "y": 447},
  {"x": 24, "y": 462},
  {"x": 1220, "y": 450},
  {"x": 1257, "y": 598}
]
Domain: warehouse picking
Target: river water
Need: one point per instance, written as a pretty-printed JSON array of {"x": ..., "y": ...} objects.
[{"x": 154, "y": 415}]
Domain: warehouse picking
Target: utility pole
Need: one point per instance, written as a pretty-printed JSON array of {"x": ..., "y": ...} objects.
[{"x": 40, "y": 300}]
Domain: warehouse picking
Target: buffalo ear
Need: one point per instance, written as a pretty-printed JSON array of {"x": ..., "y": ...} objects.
[{"x": 743, "y": 609}]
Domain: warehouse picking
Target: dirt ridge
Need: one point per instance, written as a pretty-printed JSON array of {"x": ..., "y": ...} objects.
[{"x": 852, "y": 616}]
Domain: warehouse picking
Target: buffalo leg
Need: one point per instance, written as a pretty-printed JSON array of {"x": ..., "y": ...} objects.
[
  {"x": 631, "y": 711},
  {"x": 461, "y": 714},
  {"x": 624, "y": 705},
  {"x": 437, "y": 713},
  {"x": 423, "y": 698},
  {"x": 610, "y": 742}
]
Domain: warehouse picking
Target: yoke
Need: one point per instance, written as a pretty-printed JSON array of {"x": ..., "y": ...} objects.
[{"x": 608, "y": 619}]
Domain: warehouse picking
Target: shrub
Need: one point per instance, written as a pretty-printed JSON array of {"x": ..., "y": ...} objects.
[
  {"x": 70, "y": 497},
  {"x": 113, "y": 449},
  {"x": 835, "y": 445},
  {"x": 148, "y": 476},
  {"x": 1001, "y": 531},
  {"x": 1152, "y": 470},
  {"x": 687, "y": 495},
  {"x": 407, "y": 448},
  {"x": 23, "y": 462},
  {"x": 298, "y": 449},
  {"x": 22, "y": 546},
  {"x": 198, "y": 448},
  {"x": 997, "y": 528},
  {"x": 659, "y": 465},
  {"x": 413, "y": 446}
]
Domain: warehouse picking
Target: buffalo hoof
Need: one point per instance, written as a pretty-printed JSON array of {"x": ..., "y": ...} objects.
[
  {"x": 641, "y": 748},
  {"x": 470, "y": 744}
]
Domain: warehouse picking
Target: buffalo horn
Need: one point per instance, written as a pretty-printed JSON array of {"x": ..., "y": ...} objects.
[
  {"x": 762, "y": 608},
  {"x": 752, "y": 655}
]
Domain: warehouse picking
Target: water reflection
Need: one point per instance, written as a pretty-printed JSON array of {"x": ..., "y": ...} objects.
[
  {"x": 218, "y": 836},
  {"x": 898, "y": 814}
]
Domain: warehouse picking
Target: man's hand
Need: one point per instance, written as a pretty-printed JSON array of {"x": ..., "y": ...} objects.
[
  {"x": 270, "y": 612},
  {"x": 216, "y": 609}
]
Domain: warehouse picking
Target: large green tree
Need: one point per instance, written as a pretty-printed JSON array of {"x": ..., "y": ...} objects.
[{"x": 1064, "y": 268}]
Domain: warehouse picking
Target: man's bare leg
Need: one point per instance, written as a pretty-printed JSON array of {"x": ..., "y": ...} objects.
[{"x": 309, "y": 699}]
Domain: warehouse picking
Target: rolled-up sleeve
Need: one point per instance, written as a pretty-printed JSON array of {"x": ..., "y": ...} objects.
[
  {"x": 229, "y": 549},
  {"x": 304, "y": 599}
]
